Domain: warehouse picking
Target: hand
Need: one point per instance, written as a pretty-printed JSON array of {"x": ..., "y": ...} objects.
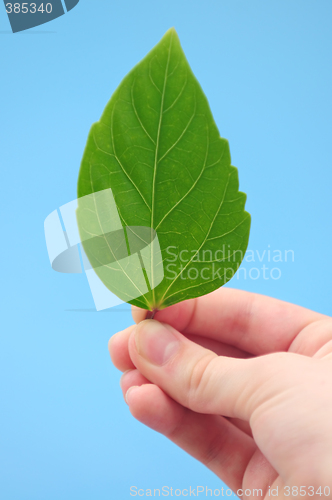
[{"x": 246, "y": 387}]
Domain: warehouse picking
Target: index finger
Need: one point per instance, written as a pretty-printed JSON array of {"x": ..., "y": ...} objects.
[{"x": 249, "y": 321}]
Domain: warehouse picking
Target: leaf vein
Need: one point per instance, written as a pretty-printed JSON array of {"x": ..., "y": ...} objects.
[{"x": 137, "y": 115}]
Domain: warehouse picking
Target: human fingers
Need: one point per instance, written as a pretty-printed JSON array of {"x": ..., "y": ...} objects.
[
  {"x": 219, "y": 348},
  {"x": 138, "y": 314},
  {"x": 243, "y": 425},
  {"x": 280, "y": 394},
  {"x": 253, "y": 323},
  {"x": 131, "y": 378},
  {"x": 211, "y": 439},
  {"x": 118, "y": 348},
  {"x": 313, "y": 339},
  {"x": 192, "y": 375},
  {"x": 198, "y": 378}
]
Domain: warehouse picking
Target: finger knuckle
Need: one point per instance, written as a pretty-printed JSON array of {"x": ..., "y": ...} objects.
[{"x": 197, "y": 382}]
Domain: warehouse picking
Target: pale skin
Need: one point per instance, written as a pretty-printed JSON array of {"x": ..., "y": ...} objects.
[{"x": 241, "y": 382}]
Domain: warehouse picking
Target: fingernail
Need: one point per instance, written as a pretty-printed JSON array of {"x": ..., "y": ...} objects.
[
  {"x": 129, "y": 390},
  {"x": 155, "y": 342},
  {"x": 123, "y": 376}
]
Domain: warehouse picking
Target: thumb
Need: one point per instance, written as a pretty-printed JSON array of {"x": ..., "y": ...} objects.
[{"x": 196, "y": 377}]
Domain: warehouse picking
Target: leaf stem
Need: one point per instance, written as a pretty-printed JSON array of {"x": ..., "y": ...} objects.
[{"x": 151, "y": 314}]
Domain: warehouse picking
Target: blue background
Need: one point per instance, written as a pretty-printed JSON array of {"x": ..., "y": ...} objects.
[{"x": 65, "y": 431}]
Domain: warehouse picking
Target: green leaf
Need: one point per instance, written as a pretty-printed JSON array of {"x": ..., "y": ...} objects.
[{"x": 158, "y": 149}]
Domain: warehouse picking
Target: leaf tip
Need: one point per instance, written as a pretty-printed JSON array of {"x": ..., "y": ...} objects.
[{"x": 171, "y": 33}]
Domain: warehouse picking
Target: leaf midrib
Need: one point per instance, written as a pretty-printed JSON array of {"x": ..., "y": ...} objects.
[{"x": 156, "y": 155}]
